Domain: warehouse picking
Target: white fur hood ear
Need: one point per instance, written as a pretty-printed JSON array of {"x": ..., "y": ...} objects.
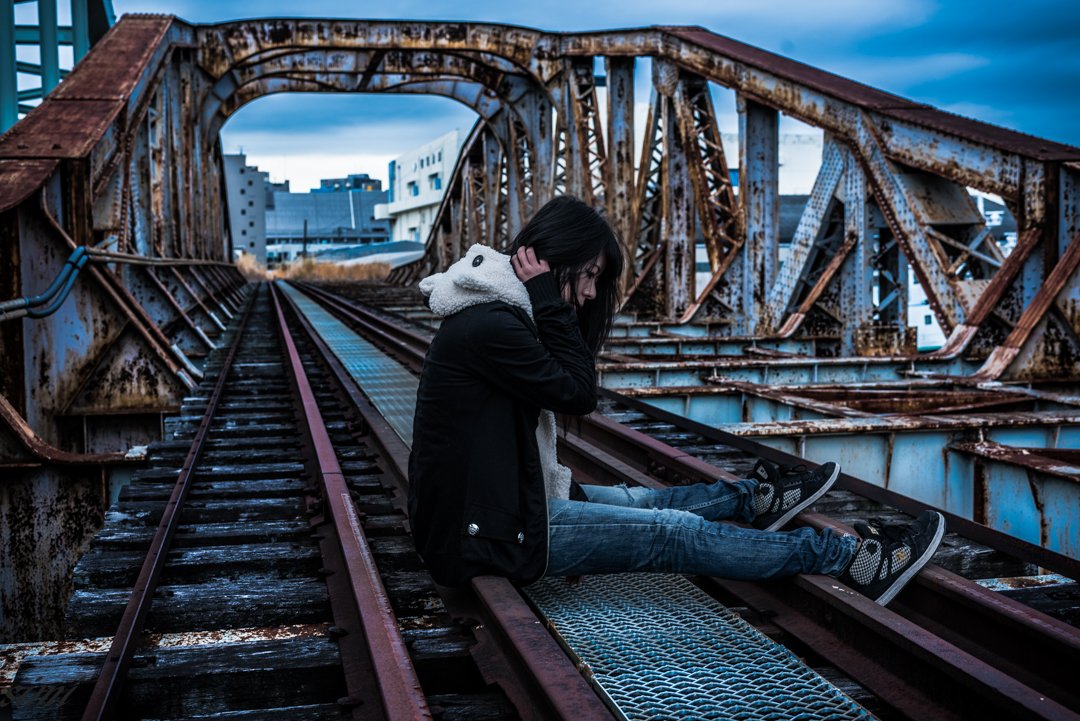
[{"x": 482, "y": 275}]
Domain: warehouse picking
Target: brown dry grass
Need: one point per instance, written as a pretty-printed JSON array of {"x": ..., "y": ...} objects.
[
  {"x": 308, "y": 269},
  {"x": 251, "y": 268}
]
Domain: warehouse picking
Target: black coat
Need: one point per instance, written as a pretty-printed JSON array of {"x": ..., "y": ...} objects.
[{"x": 477, "y": 503}]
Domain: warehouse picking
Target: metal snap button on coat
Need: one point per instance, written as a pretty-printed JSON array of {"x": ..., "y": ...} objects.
[
  {"x": 477, "y": 260},
  {"x": 521, "y": 538},
  {"x": 473, "y": 529}
]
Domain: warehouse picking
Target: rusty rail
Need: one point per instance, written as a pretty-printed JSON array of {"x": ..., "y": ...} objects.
[
  {"x": 106, "y": 694},
  {"x": 399, "y": 685},
  {"x": 539, "y": 669}
]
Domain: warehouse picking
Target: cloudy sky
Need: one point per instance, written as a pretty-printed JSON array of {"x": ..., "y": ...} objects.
[{"x": 1008, "y": 63}]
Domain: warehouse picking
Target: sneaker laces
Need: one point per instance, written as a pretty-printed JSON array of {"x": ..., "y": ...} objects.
[{"x": 894, "y": 533}]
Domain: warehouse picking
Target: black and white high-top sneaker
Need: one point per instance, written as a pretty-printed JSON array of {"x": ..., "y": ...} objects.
[
  {"x": 890, "y": 556},
  {"x": 783, "y": 492}
]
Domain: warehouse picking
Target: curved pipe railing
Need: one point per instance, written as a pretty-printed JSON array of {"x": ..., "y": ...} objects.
[{"x": 54, "y": 296}]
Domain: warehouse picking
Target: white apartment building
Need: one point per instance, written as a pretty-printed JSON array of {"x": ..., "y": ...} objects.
[
  {"x": 245, "y": 192},
  {"x": 418, "y": 180}
]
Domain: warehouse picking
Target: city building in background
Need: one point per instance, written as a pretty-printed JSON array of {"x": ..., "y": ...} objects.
[
  {"x": 339, "y": 214},
  {"x": 247, "y": 192},
  {"x": 357, "y": 181},
  {"x": 417, "y": 183}
]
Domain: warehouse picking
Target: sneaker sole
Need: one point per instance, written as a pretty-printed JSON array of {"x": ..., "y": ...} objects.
[
  {"x": 915, "y": 567},
  {"x": 797, "y": 508}
]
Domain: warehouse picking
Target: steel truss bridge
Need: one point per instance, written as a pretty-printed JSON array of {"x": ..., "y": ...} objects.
[{"x": 118, "y": 264}]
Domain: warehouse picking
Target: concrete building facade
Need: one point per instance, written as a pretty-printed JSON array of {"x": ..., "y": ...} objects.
[
  {"x": 417, "y": 182},
  {"x": 246, "y": 194},
  {"x": 340, "y": 213}
]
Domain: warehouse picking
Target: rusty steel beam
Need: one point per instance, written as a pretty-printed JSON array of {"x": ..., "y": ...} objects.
[{"x": 620, "y": 181}]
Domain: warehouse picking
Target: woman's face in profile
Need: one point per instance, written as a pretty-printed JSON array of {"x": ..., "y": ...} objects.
[{"x": 583, "y": 288}]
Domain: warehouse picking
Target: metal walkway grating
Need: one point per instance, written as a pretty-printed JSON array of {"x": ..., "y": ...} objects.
[
  {"x": 654, "y": 645},
  {"x": 386, "y": 382},
  {"x": 658, "y": 647}
]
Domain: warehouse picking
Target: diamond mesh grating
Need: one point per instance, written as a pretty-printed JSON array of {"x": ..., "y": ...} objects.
[
  {"x": 386, "y": 382},
  {"x": 660, "y": 648}
]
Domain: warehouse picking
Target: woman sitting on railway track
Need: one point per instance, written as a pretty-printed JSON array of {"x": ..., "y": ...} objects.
[{"x": 487, "y": 494}]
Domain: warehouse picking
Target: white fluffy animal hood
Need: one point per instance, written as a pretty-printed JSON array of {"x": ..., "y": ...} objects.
[{"x": 481, "y": 276}]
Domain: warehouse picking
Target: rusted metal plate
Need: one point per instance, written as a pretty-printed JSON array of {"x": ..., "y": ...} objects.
[
  {"x": 116, "y": 64},
  {"x": 793, "y": 70},
  {"x": 20, "y": 178},
  {"x": 874, "y": 99},
  {"x": 61, "y": 129},
  {"x": 995, "y": 136},
  {"x": 1054, "y": 462}
]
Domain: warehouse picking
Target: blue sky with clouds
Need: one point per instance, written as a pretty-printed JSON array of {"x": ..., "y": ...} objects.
[{"x": 1015, "y": 64}]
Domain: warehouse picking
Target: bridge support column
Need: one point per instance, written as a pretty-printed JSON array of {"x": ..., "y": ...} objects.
[
  {"x": 759, "y": 197},
  {"x": 677, "y": 194},
  {"x": 620, "y": 121},
  {"x": 857, "y": 274}
]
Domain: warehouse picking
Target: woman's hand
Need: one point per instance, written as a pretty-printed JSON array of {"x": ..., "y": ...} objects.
[{"x": 526, "y": 265}]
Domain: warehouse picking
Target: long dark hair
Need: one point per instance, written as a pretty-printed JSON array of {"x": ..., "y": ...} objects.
[{"x": 569, "y": 235}]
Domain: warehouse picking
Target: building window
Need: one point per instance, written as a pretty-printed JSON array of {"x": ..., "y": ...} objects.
[
  {"x": 251, "y": 223},
  {"x": 250, "y": 183},
  {"x": 440, "y": 156},
  {"x": 434, "y": 181},
  {"x": 413, "y": 188},
  {"x": 928, "y": 320},
  {"x": 243, "y": 232},
  {"x": 251, "y": 203},
  {"x": 241, "y": 191},
  {"x": 251, "y": 244},
  {"x": 241, "y": 171},
  {"x": 243, "y": 211}
]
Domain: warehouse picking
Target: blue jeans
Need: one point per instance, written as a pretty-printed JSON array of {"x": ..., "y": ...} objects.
[{"x": 676, "y": 530}]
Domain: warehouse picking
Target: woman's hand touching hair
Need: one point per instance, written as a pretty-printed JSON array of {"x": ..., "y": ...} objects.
[{"x": 526, "y": 265}]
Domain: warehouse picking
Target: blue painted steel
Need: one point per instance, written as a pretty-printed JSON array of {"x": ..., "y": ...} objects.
[
  {"x": 1037, "y": 507},
  {"x": 691, "y": 346},
  {"x": 80, "y": 28},
  {"x": 49, "y": 46},
  {"x": 775, "y": 371},
  {"x": 658, "y": 647},
  {"x": 9, "y": 78}
]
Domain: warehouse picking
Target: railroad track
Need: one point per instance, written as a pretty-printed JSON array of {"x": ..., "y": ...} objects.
[
  {"x": 947, "y": 647},
  {"x": 262, "y": 611},
  {"x": 280, "y": 582}
]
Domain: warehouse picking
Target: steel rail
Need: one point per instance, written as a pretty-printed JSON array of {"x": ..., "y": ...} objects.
[
  {"x": 106, "y": 693},
  {"x": 540, "y": 669},
  {"x": 1040, "y": 641},
  {"x": 399, "y": 687}
]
